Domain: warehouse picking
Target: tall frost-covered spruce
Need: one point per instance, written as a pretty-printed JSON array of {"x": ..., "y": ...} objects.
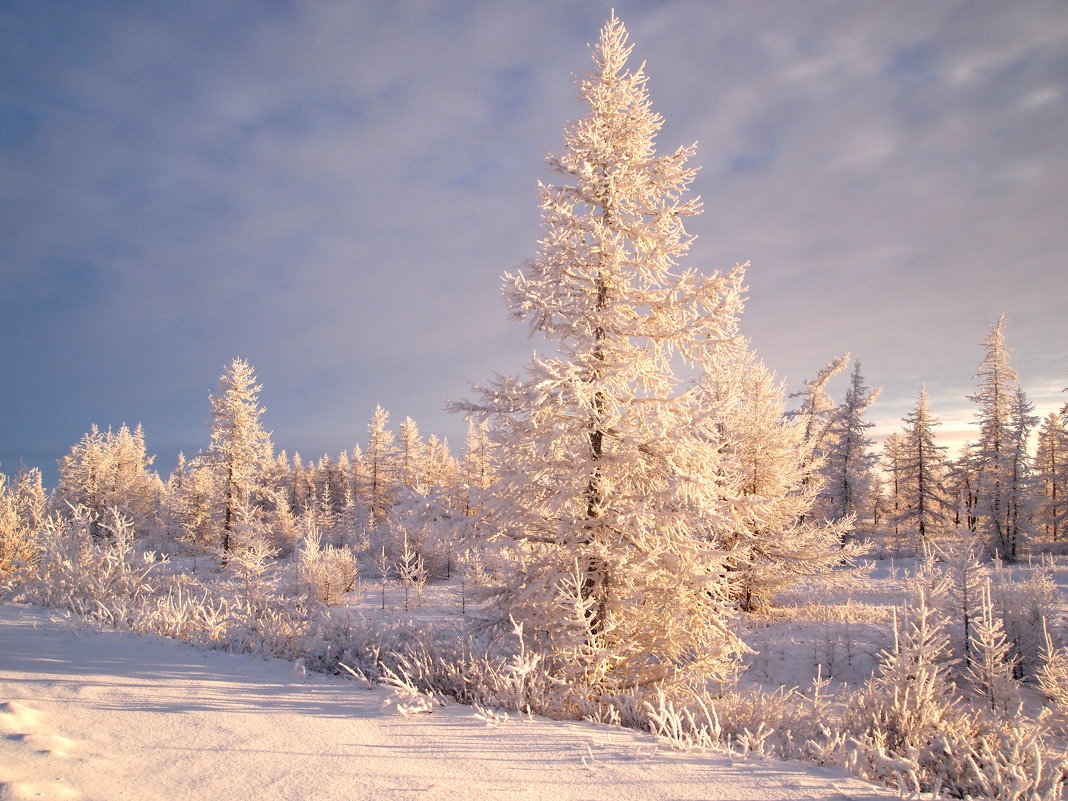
[
  {"x": 1004, "y": 418},
  {"x": 240, "y": 449},
  {"x": 602, "y": 504}
]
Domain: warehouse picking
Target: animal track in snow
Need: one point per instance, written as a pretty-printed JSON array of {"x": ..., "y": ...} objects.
[
  {"x": 22, "y": 725},
  {"x": 38, "y": 791},
  {"x": 44, "y": 744},
  {"x": 16, "y": 718}
]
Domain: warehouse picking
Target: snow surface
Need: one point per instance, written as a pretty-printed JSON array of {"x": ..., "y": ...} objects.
[{"x": 100, "y": 714}]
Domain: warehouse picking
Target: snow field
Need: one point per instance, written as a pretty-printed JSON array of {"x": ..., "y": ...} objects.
[{"x": 107, "y": 715}]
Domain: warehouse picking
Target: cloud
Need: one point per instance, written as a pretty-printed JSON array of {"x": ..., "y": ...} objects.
[{"x": 332, "y": 190}]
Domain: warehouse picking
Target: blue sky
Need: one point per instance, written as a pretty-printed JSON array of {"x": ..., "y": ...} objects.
[{"x": 332, "y": 189}]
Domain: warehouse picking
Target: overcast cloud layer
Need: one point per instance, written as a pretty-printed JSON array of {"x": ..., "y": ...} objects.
[{"x": 332, "y": 189}]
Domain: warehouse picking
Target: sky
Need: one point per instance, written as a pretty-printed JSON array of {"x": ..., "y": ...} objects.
[{"x": 332, "y": 190}]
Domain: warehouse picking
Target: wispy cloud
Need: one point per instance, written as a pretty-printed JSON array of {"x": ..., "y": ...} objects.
[{"x": 332, "y": 189}]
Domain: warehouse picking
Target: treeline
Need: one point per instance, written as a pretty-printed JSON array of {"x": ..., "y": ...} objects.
[
  {"x": 1007, "y": 495},
  {"x": 402, "y": 492}
]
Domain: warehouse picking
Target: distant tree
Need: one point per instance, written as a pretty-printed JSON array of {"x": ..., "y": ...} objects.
[
  {"x": 442, "y": 469},
  {"x": 1020, "y": 489},
  {"x": 341, "y": 480},
  {"x": 110, "y": 470},
  {"x": 605, "y": 494},
  {"x": 962, "y": 484},
  {"x": 849, "y": 461},
  {"x": 411, "y": 457},
  {"x": 765, "y": 480},
  {"x": 378, "y": 482},
  {"x": 998, "y": 456},
  {"x": 476, "y": 466},
  {"x": 240, "y": 451},
  {"x": 193, "y": 501},
  {"x": 1051, "y": 461},
  {"x": 816, "y": 413},
  {"x": 893, "y": 458},
  {"x": 921, "y": 474},
  {"x": 23, "y": 508}
]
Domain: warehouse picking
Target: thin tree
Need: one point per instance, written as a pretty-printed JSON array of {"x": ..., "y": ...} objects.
[
  {"x": 1051, "y": 462},
  {"x": 848, "y": 462},
  {"x": 816, "y": 414},
  {"x": 997, "y": 453},
  {"x": 921, "y": 474},
  {"x": 240, "y": 449},
  {"x": 764, "y": 473},
  {"x": 893, "y": 464},
  {"x": 379, "y": 467}
]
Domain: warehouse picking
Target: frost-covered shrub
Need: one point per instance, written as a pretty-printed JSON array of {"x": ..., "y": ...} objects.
[
  {"x": 993, "y": 664},
  {"x": 907, "y": 728},
  {"x": 88, "y": 564},
  {"x": 1053, "y": 681},
  {"x": 910, "y": 701},
  {"x": 23, "y": 507},
  {"x": 327, "y": 572},
  {"x": 186, "y": 610},
  {"x": 1025, "y": 607}
]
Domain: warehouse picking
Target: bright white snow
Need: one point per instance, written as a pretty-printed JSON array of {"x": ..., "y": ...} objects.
[{"x": 107, "y": 715}]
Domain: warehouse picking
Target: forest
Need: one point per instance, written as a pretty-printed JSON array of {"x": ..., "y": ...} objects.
[{"x": 645, "y": 529}]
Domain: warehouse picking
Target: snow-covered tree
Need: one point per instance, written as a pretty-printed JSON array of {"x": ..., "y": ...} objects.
[
  {"x": 1020, "y": 492},
  {"x": 606, "y": 496},
  {"x": 1002, "y": 417},
  {"x": 962, "y": 481},
  {"x": 849, "y": 461},
  {"x": 1051, "y": 464},
  {"x": 110, "y": 470},
  {"x": 23, "y": 508},
  {"x": 766, "y": 463},
  {"x": 816, "y": 412},
  {"x": 961, "y": 563},
  {"x": 377, "y": 482},
  {"x": 921, "y": 474},
  {"x": 893, "y": 460},
  {"x": 991, "y": 668},
  {"x": 193, "y": 501},
  {"x": 411, "y": 456},
  {"x": 241, "y": 451},
  {"x": 911, "y": 700}
]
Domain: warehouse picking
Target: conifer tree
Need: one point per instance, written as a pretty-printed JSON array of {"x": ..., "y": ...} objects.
[
  {"x": 921, "y": 476},
  {"x": 1002, "y": 416},
  {"x": 1019, "y": 495},
  {"x": 191, "y": 501},
  {"x": 815, "y": 414},
  {"x": 240, "y": 450},
  {"x": 766, "y": 470},
  {"x": 411, "y": 457},
  {"x": 967, "y": 576},
  {"x": 110, "y": 470},
  {"x": 991, "y": 670},
  {"x": 1051, "y": 461},
  {"x": 605, "y": 494},
  {"x": 378, "y": 484},
  {"x": 848, "y": 462},
  {"x": 893, "y": 464}
]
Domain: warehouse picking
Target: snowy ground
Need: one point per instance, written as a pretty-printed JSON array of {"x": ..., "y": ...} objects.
[{"x": 107, "y": 715}]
